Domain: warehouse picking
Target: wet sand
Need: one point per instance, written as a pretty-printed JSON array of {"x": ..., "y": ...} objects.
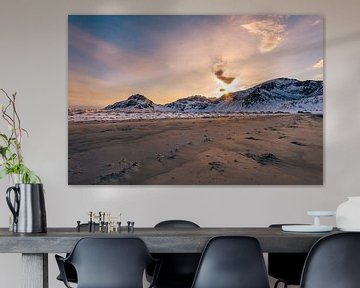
[{"x": 259, "y": 150}]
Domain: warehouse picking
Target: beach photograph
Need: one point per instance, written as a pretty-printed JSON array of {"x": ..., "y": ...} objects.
[{"x": 195, "y": 99}]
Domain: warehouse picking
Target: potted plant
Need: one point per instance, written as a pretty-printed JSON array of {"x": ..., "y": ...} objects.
[
  {"x": 26, "y": 197},
  {"x": 11, "y": 159}
]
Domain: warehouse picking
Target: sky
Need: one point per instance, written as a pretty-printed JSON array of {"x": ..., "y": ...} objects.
[{"x": 169, "y": 57}]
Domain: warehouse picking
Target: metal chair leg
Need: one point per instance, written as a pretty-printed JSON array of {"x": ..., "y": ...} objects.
[{"x": 279, "y": 281}]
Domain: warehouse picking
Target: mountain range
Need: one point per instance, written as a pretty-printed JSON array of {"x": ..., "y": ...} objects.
[{"x": 277, "y": 95}]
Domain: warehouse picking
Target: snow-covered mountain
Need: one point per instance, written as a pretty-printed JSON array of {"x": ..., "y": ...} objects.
[
  {"x": 281, "y": 94},
  {"x": 133, "y": 103},
  {"x": 277, "y": 95},
  {"x": 195, "y": 103}
]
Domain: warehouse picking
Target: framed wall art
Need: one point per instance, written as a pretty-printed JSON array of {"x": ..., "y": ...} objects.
[{"x": 187, "y": 100}]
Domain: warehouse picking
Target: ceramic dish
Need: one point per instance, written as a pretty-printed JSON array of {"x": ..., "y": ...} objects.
[{"x": 306, "y": 228}]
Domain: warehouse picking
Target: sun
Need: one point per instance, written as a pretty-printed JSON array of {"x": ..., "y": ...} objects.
[{"x": 226, "y": 88}]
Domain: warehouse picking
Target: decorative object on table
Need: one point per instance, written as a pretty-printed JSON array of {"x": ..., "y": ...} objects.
[
  {"x": 131, "y": 226},
  {"x": 102, "y": 222},
  {"x": 27, "y": 204},
  {"x": 348, "y": 215},
  {"x": 316, "y": 227},
  {"x": 28, "y": 208},
  {"x": 78, "y": 227},
  {"x": 195, "y": 100}
]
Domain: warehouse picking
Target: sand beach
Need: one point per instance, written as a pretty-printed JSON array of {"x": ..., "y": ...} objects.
[{"x": 237, "y": 150}]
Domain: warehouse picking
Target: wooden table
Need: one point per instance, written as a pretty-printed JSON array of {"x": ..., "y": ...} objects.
[{"x": 35, "y": 247}]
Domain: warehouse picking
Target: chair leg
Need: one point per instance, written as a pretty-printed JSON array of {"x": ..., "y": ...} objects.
[{"x": 278, "y": 282}]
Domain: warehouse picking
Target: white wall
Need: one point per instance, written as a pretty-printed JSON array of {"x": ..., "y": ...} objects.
[{"x": 33, "y": 62}]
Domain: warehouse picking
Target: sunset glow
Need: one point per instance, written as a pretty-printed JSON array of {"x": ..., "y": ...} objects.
[{"x": 170, "y": 57}]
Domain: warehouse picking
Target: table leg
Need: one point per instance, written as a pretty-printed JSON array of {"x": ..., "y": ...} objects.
[{"x": 35, "y": 270}]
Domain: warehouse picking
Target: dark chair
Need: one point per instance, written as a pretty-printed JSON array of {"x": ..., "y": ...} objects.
[
  {"x": 232, "y": 262},
  {"x": 286, "y": 267},
  {"x": 178, "y": 269},
  {"x": 69, "y": 269},
  {"x": 333, "y": 262},
  {"x": 108, "y": 263},
  {"x": 176, "y": 224}
]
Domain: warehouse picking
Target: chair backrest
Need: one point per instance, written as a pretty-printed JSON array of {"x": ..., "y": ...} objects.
[
  {"x": 176, "y": 224},
  {"x": 110, "y": 262},
  {"x": 333, "y": 262},
  {"x": 232, "y": 262},
  {"x": 178, "y": 269}
]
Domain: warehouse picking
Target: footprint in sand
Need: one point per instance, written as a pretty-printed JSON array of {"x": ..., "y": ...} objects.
[
  {"x": 252, "y": 138},
  {"x": 263, "y": 159},
  {"x": 217, "y": 166},
  {"x": 297, "y": 143}
]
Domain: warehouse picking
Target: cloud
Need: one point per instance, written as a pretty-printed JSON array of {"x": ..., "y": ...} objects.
[
  {"x": 225, "y": 84},
  {"x": 270, "y": 31},
  {"x": 319, "y": 77},
  {"x": 220, "y": 76},
  {"x": 319, "y": 64},
  {"x": 316, "y": 22}
]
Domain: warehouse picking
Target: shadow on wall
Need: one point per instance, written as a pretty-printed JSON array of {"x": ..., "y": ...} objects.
[
  {"x": 136, "y": 7},
  {"x": 343, "y": 39}
]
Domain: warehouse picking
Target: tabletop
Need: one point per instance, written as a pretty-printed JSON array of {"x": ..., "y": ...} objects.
[{"x": 158, "y": 240}]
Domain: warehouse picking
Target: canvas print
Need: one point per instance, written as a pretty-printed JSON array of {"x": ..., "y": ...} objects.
[{"x": 195, "y": 100}]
